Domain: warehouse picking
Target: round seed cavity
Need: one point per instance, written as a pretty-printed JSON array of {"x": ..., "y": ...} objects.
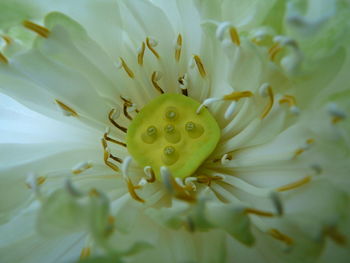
[
  {"x": 169, "y": 150},
  {"x": 190, "y": 126},
  {"x": 169, "y": 128},
  {"x": 171, "y": 113},
  {"x": 194, "y": 130},
  {"x": 150, "y": 135},
  {"x": 151, "y": 130}
]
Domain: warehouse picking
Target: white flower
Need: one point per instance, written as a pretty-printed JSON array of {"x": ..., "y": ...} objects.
[{"x": 243, "y": 158}]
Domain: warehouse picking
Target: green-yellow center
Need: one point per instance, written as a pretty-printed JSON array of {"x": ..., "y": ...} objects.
[{"x": 168, "y": 132}]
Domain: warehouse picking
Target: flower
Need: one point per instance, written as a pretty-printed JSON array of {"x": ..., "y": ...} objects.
[{"x": 177, "y": 131}]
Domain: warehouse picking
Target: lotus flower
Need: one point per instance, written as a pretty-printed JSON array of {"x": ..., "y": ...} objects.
[{"x": 174, "y": 131}]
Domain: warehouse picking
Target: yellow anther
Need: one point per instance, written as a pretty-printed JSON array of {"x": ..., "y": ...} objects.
[
  {"x": 288, "y": 99},
  {"x": 127, "y": 69},
  {"x": 334, "y": 234},
  {"x": 66, "y": 109},
  {"x": 3, "y": 59},
  {"x": 258, "y": 212},
  {"x": 38, "y": 180},
  {"x": 7, "y": 39},
  {"x": 310, "y": 141},
  {"x": 337, "y": 119},
  {"x": 131, "y": 189},
  {"x": 155, "y": 84},
  {"x": 85, "y": 253},
  {"x": 280, "y": 236},
  {"x": 94, "y": 193},
  {"x": 82, "y": 167},
  {"x": 200, "y": 65},
  {"x": 270, "y": 103},
  {"x": 237, "y": 95},
  {"x": 180, "y": 150},
  {"x": 150, "y": 47},
  {"x": 273, "y": 51},
  {"x": 304, "y": 148},
  {"x": 234, "y": 36},
  {"x": 178, "y": 47},
  {"x": 141, "y": 54},
  {"x": 40, "y": 30},
  {"x": 206, "y": 179},
  {"x": 294, "y": 185},
  {"x": 107, "y": 155}
]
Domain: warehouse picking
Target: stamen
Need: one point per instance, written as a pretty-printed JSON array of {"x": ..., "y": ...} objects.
[
  {"x": 237, "y": 95},
  {"x": 274, "y": 50},
  {"x": 206, "y": 179},
  {"x": 279, "y": 236},
  {"x": 115, "y": 158},
  {"x": 129, "y": 104},
  {"x": 189, "y": 183},
  {"x": 206, "y": 102},
  {"x": 132, "y": 192},
  {"x": 226, "y": 158},
  {"x": 111, "y": 119},
  {"x": 94, "y": 193},
  {"x": 291, "y": 101},
  {"x": 141, "y": 54},
  {"x": 131, "y": 187},
  {"x": 71, "y": 189},
  {"x": 183, "y": 84},
  {"x": 127, "y": 69},
  {"x": 337, "y": 114},
  {"x": 67, "y": 111},
  {"x": 85, "y": 253},
  {"x": 33, "y": 182},
  {"x": 221, "y": 30},
  {"x": 107, "y": 138},
  {"x": 106, "y": 156},
  {"x": 125, "y": 166},
  {"x": 334, "y": 234},
  {"x": 304, "y": 148},
  {"x": 200, "y": 66},
  {"x": 266, "y": 90},
  {"x": 3, "y": 59},
  {"x": 234, "y": 36},
  {"x": 150, "y": 175},
  {"x": 258, "y": 212},
  {"x": 40, "y": 30},
  {"x": 81, "y": 167},
  {"x": 173, "y": 187},
  {"x": 7, "y": 39},
  {"x": 150, "y": 44},
  {"x": 277, "y": 202},
  {"x": 125, "y": 111},
  {"x": 155, "y": 77},
  {"x": 230, "y": 110},
  {"x": 294, "y": 185},
  {"x": 178, "y": 47}
]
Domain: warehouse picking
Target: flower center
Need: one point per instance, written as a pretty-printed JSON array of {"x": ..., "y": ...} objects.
[{"x": 169, "y": 132}]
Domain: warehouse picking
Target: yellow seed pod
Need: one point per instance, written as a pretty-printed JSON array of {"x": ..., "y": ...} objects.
[{"x": 169, "y": 132}]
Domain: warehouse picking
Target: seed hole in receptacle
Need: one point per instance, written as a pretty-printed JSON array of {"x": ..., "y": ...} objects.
[{"x": 194, "y": 130}]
